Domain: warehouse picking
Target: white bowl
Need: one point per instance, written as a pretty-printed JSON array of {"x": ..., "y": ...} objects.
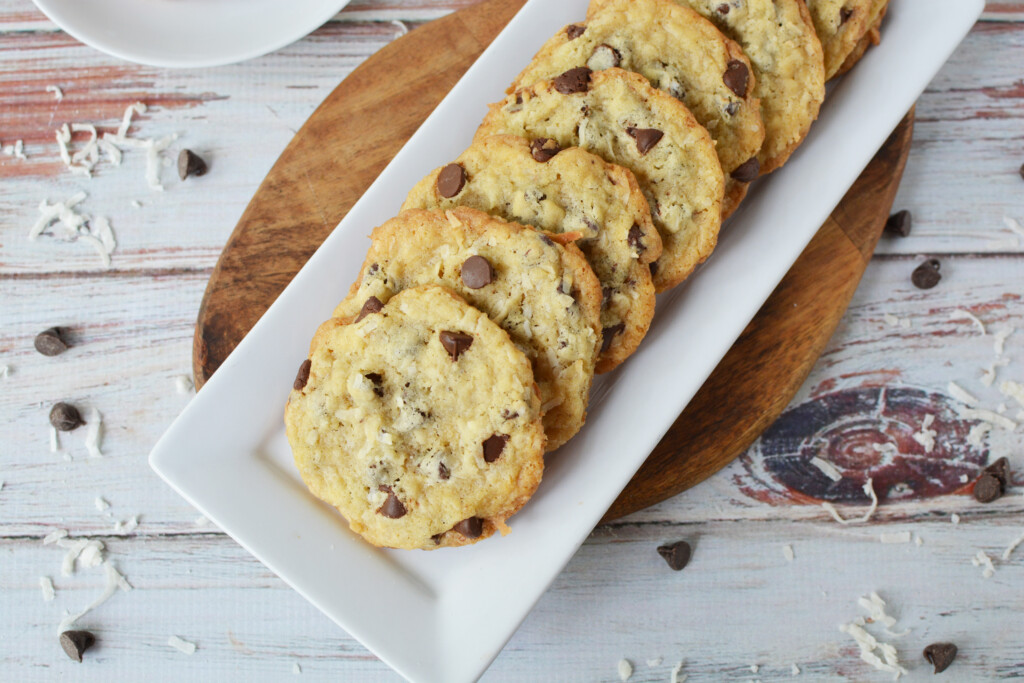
[{"x": 188, "y": 33}]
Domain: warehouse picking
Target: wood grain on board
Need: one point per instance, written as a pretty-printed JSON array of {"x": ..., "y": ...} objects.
[{"x": 351, "y": 137}]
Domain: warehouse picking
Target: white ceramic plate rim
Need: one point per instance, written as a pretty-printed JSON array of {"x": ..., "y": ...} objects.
[
  {"x": 188, "y": 33},
  {"x": 444, "y": 615}
]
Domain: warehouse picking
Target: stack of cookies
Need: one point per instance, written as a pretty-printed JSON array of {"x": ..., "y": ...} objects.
[{"x": 467, "y": 345}]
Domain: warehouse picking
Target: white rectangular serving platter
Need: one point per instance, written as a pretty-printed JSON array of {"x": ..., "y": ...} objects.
[{"x": 444, "y": 615}]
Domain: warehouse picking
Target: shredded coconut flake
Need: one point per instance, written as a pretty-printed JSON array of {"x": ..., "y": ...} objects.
[
  {"x": 58, "y": 94},
  {"x": 55, "y": 536},
  {"x": 201, "y": 521},
  {"x": 889, "y": 661},
  {"x": 296, "y": 669},
  {"x": 19, "y": 150},
  {"x": 5, "y": 371},
  {"x": 625, "y": 670},
  {"x": 926, "y": 437},
  {"x": 874, "y": 605},
  {"x": 1013, "y": 225},
  {"x": 183, "y": 384},
  {"x": 114, "y": 581},
  {"x": 961, "y": 314},
  {"x": 787, "y": 552},
  {"x": 46, "y": 585},
  {"x": 181, "y": 645},
  {"x": 54, "y": 440},
  {"x": 654, "y": 662},
  {"x": 988, "y": 416},
  {"x": 796, "y": 670},
  {"x": 676, "y": 678},
  {"x": 976, "y": 438},
  {"x": 895, "y": 537},
  {"x": 869, "y": 489},
  {"x": 101, "y": 503},
  {"x": 1000, "y": 338},
  {"x": 918, "y": 541},
  {"x": 961, "y": 394},
  {"x": 954, "y": 518},
  {"x": 1013, "y": 390},
  {"x": 127, "y": 526},
  {"x": 94, "y": 433},
  {"x": 891, "y": 320},
  {"x": 983, "y": 560},
  {"x": 988, "y": 377},
  {"x": 754, "y": 668},
  {"x": 827, "y": 468}
]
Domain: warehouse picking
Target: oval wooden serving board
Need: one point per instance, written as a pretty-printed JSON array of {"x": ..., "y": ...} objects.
[{"x": 362, "y": 124}]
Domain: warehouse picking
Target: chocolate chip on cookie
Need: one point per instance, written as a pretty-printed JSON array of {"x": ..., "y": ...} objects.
[
  {"x": 926, "y": 275},
  {"x": 377, "y": 380},
  {"x": 65, "y": 417},
  {"x": 736, "y": 77},
  {"x": 573, "y": 81},
  {"x": 544, "y": 149},
  {"x": 747, "y": 171},
  {"x": 604, "y": 57},
  {"x": 303, "y": 375},
  {"x": 392, "y": 507},
  {"x": 477, "y": 272},
  {"x": 372, "y": 305},
  {"x": 455, "y": 343},
  {"x": 443, "y": 472},
  {"x": 940, "y": 655},
  {"x": 722, "y": 9},
  {"x": 646, "y": 138},
  {"x": 470, "y": 528},
  {"x": 844, "y": 15},
  {"x": 574, "y": 31},
  {"x": 609, "y": 334},
  {"x": 50, "y": 342},
  {"x": 493, "y": 446},
  {"x": 451, "y": 180},
  {"x": 635, "y": 239}
]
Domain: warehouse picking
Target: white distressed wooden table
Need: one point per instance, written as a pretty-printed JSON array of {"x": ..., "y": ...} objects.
[{"x": 740, "y": 603}]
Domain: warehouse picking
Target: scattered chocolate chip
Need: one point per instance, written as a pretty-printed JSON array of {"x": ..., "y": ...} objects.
[
  {"x": 443, "y": 472},
  {"x": 451, "y": 180},
  {"x": 546, "y": 240},
  {"x": 899, "y": 223},
  {"x": 190, "y": 163},
  {"x": 736, "y": 76},
  {"x": 604, "y": 57},
  {"x": 470, "y": 528},
  {"x": 65, "y": 417},
  {"x": 654, "y": 268},
  {"x": 372, "y": 270},
  {"x": 609, "y": 334},
  {"x": 677, "y": 554},
  {"x": 303, "y": 375},
  {"x": 635, "y": 239},
  {"x": 455, "y": 343},
  {"x": 606, "y": 294},
  {"x": 76, "y": 642},
  {"x": 1001, "y": 470},
  {"x": 543, "y": 149},
  {"x": 573, "y": 81},
  {"x": 747, "y": 171},
  {"x": 508, "y": 414},
  {"x": 722, "y": 9},
  {"x": 732, "y": 108},
  {"x": 392, "y": 507},
  {"x": 477, "y": 272},
  {"x": 940, "y": 655},
  {"x": 372, "y": 305},
  {"x": 50, "y": 342},
  {"x": 436, "y": 538},
  {"x": 378, "y": 382},
  {"x": 646, "y": 138},
  {"x": 493, "y": 446},
  {"x": 844, "y": 15},
  {"x": 926, "y": 275},
  {"x": 988, "y": 488}
]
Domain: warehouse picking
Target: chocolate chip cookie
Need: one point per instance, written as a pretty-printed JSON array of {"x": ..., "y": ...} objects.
[
  {"x": 543, "y": 294},
  {"x": 679, "y": 52},
  {"x": 420, "y": 422},
  {"x": 620, "y": 117},
  {"x": 578, "y": 195},
  {"x": 779, "y": 39},
  {"x": 846, "y": 29}
]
